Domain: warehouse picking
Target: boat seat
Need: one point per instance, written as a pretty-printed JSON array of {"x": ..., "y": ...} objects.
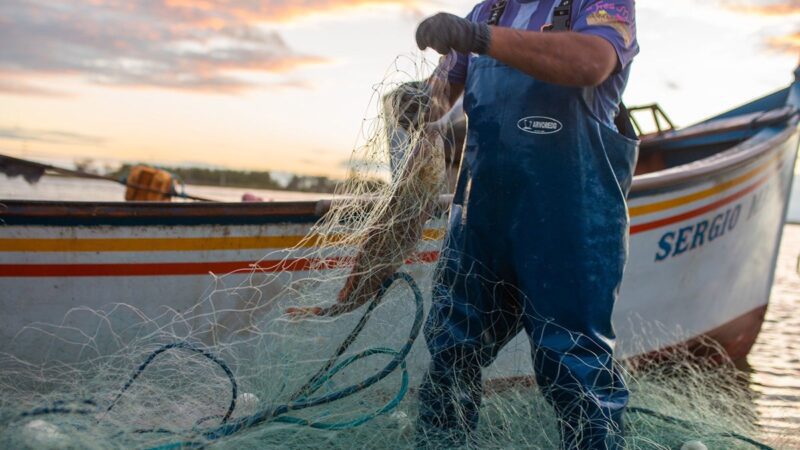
[
  {"x": 752, "y": 121},
  {"x": 666, "y": 149}
]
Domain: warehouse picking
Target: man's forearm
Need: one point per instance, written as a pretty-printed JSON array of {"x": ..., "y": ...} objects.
[{"x": 565, "y": 58}]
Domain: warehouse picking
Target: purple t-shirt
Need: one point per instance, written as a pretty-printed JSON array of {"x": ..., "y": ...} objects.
[{"x": 612, "y": 20}]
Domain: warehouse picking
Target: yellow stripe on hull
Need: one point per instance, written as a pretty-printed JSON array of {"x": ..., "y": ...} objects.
[
  {"x": 635, "y": 211},
  {"x": 171, "y": 244}
]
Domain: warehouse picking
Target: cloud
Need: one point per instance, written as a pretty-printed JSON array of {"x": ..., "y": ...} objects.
[
  {"x": 49, "y": 136},
  {"x": 765, "y": 7},
  {"x": 293, "y": 83},
  {"x": 219, "y": 12},
  {"x": 785, "y": 37},
  {"x": 199, "y": 45},
  {"x": 17, "y": 87},
  {"x": 787, "y": 44}
]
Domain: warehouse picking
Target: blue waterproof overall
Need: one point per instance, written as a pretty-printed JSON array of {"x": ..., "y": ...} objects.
[{"x": 537, "y": 240}]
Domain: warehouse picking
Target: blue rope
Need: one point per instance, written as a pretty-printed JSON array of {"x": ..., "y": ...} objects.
[
  {"x": 60, "y": 407},
  {"x": 185, "y": 346},
  {"x": 301, "y": 400}
]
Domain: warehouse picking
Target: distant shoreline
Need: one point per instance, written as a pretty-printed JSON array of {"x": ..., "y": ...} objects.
[{"x": 228, "y": 178}]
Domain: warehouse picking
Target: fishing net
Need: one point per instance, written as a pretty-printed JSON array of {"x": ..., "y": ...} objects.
[{"x": 270, "y": 358}]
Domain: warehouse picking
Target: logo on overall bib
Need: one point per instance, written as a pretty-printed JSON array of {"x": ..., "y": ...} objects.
[{"x": 539, "y": 125}]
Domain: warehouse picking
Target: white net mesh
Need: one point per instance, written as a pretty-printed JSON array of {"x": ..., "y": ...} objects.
[{"x": 125, "y": 379}]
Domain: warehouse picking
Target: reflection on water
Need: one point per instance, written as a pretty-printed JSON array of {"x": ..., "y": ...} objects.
[
  {"x": 775, "y": 359},
  {"x": 72, "y": 189}
]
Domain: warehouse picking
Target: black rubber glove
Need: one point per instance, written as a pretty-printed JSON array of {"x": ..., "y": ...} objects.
[{"x": 446, "y": 32}]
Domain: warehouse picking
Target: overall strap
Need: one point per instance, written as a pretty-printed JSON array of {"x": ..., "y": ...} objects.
[
  {"x": 562, "y": 21},
  {"x": 562, "y": 17},
  {"x": 498, "y": 8}
]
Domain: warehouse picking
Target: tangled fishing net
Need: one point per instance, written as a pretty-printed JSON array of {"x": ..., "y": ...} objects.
[{"x": 237, "y": 371}]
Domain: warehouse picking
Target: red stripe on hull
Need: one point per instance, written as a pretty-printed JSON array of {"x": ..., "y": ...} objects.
[
  {"x": 179, "y": 269},
  {"x": 635, "y": 229},
  {"x": 292, "y": 265}
]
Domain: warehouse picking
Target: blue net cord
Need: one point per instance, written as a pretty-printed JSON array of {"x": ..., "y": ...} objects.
[
  {"x": 192, "y": 348},
  {"x": 302, "y": 400}
]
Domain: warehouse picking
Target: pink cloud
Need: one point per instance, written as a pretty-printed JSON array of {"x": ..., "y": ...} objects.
[
  {"x": 789, "y": 43},
  {"x": 175, "y": 44},
  {"x": 10, "y": 85},
  {"x": 266, "y": 11},
  {"x": 765, "y": 7},
  {"x": 779, "y": 40}
]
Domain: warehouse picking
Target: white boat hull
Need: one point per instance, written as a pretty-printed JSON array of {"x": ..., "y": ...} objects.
[
  {"x": 76, "y": 277},
  {"x": 701, "y": 262}
]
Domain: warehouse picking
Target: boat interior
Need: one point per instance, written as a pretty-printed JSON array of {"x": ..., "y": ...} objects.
[{"x": 664, "y": 147}]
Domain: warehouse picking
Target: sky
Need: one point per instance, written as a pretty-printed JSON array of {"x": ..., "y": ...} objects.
[{"x": 286, "y": 85}]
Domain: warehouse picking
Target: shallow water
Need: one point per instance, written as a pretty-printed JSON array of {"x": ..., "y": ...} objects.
[
  {"x": 71, "y": 189},
  {"x": 775, "y": 359}
]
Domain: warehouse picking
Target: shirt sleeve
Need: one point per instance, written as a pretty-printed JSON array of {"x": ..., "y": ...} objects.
[{"x": 612, "y": 20}]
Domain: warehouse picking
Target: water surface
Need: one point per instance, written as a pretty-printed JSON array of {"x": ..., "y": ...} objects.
[{"x": 775, "y": 359}]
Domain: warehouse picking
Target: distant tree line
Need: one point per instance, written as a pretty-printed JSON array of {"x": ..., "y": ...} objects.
[
  {"x": 300, "y": 183},
  {"x": 253, "y": 180}
]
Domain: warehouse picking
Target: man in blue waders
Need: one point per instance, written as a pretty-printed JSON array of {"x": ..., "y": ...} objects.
[{"x": 538, "y": 229}]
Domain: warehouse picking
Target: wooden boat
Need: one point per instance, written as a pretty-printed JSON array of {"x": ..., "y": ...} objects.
[{"x": 707, "y": 210}]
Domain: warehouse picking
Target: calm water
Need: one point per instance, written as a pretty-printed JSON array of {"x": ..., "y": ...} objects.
[
  {"x": 774, "y": 362},
  {"x": 57, "y": 188},
  {"x": 775, "y": 359}
]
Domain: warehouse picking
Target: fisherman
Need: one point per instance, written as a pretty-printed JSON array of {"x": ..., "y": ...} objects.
[
  {"x": 537, "y": 237},
  {"x": 538, "y": 229}
]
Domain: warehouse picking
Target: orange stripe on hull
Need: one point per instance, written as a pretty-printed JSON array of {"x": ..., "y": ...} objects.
[
  {"x": 642, "y": 210},
  {"x": 288, "y": 242}
]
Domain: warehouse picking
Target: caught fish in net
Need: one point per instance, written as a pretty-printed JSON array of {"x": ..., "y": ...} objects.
[{"x": 330, "y": 355}]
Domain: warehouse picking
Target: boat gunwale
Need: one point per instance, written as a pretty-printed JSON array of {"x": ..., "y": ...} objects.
[{"x": 716, "y": 164}]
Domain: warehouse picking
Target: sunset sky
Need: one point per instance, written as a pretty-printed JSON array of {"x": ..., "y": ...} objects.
[{"x": 284, "y": 84}]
